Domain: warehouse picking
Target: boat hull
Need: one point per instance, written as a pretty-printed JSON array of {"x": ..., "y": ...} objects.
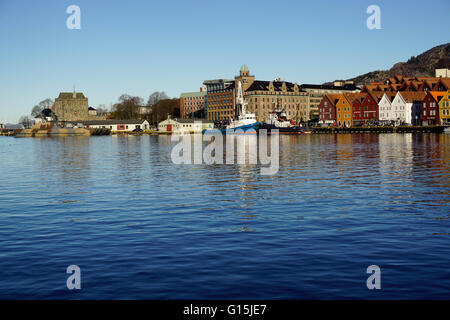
[
  {"x": 52, "y": 132},
  {"x": 246, "y": 129},
  {"x": 284, "y": 130}
]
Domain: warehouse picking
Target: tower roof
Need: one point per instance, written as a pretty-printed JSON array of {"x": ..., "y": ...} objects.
[{"x": 244, "y": 68}]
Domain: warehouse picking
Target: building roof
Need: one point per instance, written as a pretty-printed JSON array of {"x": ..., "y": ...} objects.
[
  {"x": 192, "y": 120},
  {"x": 70, "y": 95},
  {"x": 413, "y": 96},
  {"x": 437, "y": 95},
  {"x": 377, "y": 95},
  {"x": 262, "y": 85},
  {"x": 333, "y": 98},
  {"x": 347, "y": 87},
  {"x": 390, "y": 95},
  {"x": 109, "y": 122},
  {"x": 352, "y": 96},
  {"x": 217, "y": 81},
  {"x": 408, "y": 84},
  {"x": 193, "y": 94},
  {"x": 47, "y": 112},
  {"x": 445, "y": 82}
]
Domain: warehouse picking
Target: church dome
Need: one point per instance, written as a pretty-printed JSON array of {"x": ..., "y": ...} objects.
[{"x": 244, "y": 68}]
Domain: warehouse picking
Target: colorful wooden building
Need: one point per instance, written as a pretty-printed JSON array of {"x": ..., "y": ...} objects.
[
  {"x": 430, "y": 108},
  {"x": 444, "y": 108},
  {"x": 327, "y": 110},
  {"x": 343, "y": 112}
]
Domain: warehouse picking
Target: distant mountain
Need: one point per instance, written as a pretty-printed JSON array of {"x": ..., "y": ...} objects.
[{"x": 422, "y": 65}]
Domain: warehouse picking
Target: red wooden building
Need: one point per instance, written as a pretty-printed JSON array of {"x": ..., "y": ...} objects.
[
  {"x": 356, "y": 100},
  {"x": 365, "y": 112},
  {"x": 327, "y": 109},
  {"x": 430, "y": 108}
]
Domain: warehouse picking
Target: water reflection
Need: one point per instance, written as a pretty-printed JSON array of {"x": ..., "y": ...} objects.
[
  {"x": 63, "y": 167},
  {"x": 119, "y": 206}
]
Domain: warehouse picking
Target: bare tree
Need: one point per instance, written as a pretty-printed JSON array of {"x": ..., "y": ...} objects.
[
  {"x": 155, "y": 97},
  {"x": 44, "y": 104},
  {"x": 36, "y": 111},
  {"x": 127, "y": 107},
  {"x": 25, "y": 121},
  {"x": 102, "y": 109},
  {"x": 164, "y": 107}
]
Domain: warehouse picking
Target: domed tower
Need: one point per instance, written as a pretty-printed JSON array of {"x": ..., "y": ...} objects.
[
  {"x": 245, "y": 78},
  {"x": 244, "y": 71}
]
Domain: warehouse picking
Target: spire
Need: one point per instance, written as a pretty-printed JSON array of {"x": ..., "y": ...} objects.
[{"x": 74, "y": 94}]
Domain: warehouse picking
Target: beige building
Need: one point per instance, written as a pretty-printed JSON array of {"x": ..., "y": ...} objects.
[
  {"x": 73, "y": 106},
  {"x": 265, "y": 96},
  {"x": 262, "y": 97},
  {"x": 442, "y": 73}
]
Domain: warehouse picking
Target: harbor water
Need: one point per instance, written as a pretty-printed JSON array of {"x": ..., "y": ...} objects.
[{"x": 141, "y": 227}]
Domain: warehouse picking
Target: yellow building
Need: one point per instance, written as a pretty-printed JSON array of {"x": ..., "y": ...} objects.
[
  {"x": 343, "y": 112},
  {"x": 444, "y": 108}
]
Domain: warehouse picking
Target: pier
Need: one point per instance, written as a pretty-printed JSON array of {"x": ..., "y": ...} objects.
[{"x": 387, "y": 129}]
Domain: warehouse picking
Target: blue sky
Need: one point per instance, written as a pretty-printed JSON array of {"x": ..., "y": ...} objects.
[{"x": 138, "y": 47}]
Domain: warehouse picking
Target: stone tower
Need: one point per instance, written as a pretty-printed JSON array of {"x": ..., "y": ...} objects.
[{"x": 71, "y": 106}]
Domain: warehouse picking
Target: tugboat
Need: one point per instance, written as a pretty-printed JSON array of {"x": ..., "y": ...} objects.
[
  {"x": 278, "y": 120},
  {"x": 245, "y": 122}
]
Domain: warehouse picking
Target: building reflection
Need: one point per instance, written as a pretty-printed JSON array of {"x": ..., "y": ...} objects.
[
  {"x": 63, "y": 166},
  {"x": 396, "y": 156},
  {"x": 431, "y": 165}
]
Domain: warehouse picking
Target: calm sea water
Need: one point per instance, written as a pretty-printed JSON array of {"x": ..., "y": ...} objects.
[{"x": 141, "y": 227}]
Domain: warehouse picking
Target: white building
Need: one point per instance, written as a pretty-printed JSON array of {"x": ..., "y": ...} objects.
[
  {"x": 403, "y": 105},
  {"x": 386, "y": 114},
  {"x": 115, "y": 125},
  {"x": 185, "y": 125},
  {"x": 442, "y": 73}
]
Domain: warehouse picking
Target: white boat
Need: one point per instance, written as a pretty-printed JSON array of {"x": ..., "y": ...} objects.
[
  {"x": 278, "y": 119},
  {"x": 246, "y": 121}
]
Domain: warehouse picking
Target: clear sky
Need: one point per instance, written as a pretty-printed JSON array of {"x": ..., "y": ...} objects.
[{"x": 138, "y": 47}]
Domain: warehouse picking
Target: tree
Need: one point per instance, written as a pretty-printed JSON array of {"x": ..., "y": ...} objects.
[
  {"x": 44, "y": 104},
  {"x": 36, "y": 111},
  {"x": 25, "y": 121},
  {"x": 127, "y": 107},
  {"x": 164, "y": 107},
  {"x": 102, "y": 110},
  {"x": 155, "y": 97}
]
